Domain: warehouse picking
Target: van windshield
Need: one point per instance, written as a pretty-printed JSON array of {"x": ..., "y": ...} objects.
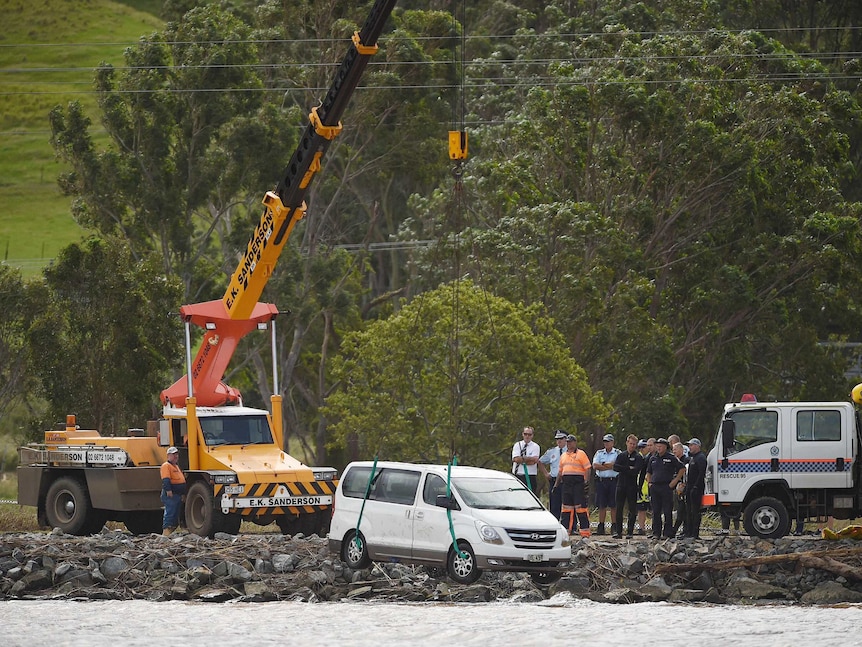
[{"x": 496, "y": 494}]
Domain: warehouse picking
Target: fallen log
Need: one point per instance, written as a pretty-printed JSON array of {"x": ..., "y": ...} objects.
[{"x": 822, "y": 559}]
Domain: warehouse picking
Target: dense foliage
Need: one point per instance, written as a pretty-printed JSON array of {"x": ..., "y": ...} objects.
[{"x": 669, "y": 192}]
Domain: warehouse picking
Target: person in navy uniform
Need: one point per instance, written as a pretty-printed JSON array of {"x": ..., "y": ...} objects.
[
  {"x": 551, "y": 459},
  {"x": 663, "y": 473},
  {"x": 694, "y": 487},
  {"x": 629, "y": 467}
]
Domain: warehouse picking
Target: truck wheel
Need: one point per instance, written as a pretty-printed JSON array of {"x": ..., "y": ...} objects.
[
  {"x": 67, "y": 507},
  {"x": 355, "y": 553},
  {"x": 766, "y": 517},
  {"x": 462, "y": 568},
  {"x": 200, "y": 513},
  {"x": 144, "y": 522},
  {"x": 228, "y": 523}
]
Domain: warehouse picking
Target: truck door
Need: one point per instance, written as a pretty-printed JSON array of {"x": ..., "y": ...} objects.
[
  {"x": 431, "y": 536},
  {"x": 755, "y": 455},
  {"x": 821, "y": 447}
]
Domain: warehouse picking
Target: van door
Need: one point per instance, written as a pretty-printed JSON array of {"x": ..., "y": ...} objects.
[
  {"x": 431, "y": 536},
  {"x": 821, "y": 447},
  {"x": 390, "y": 507}
]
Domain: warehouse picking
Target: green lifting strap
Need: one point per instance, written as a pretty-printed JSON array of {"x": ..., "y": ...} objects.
[
  {"x": 454, "y": 461},
  {"x": 356, "y": 539}
]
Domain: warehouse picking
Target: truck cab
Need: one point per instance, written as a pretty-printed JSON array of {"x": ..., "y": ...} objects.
[{"x": 775, "y": 462}]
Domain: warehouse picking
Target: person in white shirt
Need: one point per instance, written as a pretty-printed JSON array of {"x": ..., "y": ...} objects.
[{"x": 525, "y": 456}]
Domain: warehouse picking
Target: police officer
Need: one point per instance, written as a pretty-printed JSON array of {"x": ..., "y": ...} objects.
[
  {"x": 551, "y": 458},
  {"x": 629, "y": 466},
  {"x": 694, "y": 487},
  {"x": 664, "y": 472},
  {"x": 606, "y": 481}
]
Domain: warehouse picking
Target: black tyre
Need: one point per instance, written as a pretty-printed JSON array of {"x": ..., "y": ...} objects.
[
  {"x": 462, "y": 567},
  {"x": 143, "y": 522},
  {"x": 288, "y": 525},
  {"x": 200, "y": 512},
  {"x": 545, "y": 578},
  {"x": 766, "y": 517},
  {"x": 67, "y": 507},
  {"x": 354, "y": 551},
  {"x": 229, "y": 523}
]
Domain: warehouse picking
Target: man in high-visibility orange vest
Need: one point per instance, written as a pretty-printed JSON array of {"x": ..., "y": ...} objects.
[
  {"x": 573, "y": 473},
  {"x": 173, "y": 489}
]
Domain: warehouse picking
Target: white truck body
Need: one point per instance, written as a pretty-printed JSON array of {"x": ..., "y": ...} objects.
[{"x": 776, "y": 462}]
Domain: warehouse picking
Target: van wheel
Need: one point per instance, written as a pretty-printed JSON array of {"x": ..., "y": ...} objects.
[
  {"x": 766, "y": 517},
  {"x": 354, "y": 551},
  {"x": 462, "y": 567},
  {"x": 544, "y": 578}
]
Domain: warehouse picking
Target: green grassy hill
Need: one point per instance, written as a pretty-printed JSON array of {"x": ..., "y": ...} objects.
[{"x": 48, "y": 49}]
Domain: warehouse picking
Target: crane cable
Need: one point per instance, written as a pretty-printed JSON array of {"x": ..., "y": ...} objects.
[{"x": 457, "y": 153}]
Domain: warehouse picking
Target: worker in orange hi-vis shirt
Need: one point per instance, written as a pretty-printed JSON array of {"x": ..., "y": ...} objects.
[
  {"x": 173, "y": 489},
  {"x": 573, "y": 473}
]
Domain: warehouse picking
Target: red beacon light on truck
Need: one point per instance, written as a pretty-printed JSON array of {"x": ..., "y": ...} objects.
[{"x": 748, "y": 397}]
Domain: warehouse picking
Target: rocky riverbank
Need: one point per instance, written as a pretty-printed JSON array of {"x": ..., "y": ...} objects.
[{"x": 116, "y": 565}]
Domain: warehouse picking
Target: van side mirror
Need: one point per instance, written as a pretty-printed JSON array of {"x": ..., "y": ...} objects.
[
  {"x": 447, "y": 502},
  {"x": 728, "y": 433}
]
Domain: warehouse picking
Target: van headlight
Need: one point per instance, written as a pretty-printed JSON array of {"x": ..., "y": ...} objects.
[{"x": 488, "y": 533}]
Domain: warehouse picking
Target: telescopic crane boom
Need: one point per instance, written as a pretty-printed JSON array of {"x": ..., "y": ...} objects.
[{"x": 228, "y": 320}]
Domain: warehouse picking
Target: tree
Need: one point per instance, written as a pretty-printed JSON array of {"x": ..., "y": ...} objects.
[
  {"x": 103, "y": 346},
  {"x": 680, "y": 216},
  {"x": 190, "y": 133},
  {"x": 19, "y": 304},
  {"x": 457, "y": 371}
]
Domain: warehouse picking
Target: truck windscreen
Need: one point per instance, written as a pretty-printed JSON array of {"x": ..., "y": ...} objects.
[{"x": 236, "y": 430}]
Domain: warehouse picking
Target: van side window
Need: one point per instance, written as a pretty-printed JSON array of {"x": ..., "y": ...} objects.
[
  {"x": 818, "y": 425},
  {"x": 355, "y": 482},
  {"x": 434, "y": 485},
  {"x": 397, "y": 486}
]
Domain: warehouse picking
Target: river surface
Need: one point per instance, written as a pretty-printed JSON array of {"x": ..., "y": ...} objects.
[{"x": 561, "y": 620}]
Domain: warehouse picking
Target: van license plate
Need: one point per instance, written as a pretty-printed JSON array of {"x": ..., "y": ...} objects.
[{"x": 536, "y": 557}]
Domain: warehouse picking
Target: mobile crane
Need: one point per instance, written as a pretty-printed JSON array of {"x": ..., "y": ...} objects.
[{"x": 236, "y": 469}]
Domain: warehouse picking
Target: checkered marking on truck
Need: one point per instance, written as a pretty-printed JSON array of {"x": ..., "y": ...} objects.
[{"x": 807, "y": 466}]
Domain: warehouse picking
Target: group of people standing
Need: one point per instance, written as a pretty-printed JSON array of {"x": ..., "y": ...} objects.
[{"x": 647, "y": 471}]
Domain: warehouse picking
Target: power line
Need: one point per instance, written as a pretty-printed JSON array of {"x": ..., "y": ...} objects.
[{"x": 476, "y": 37}]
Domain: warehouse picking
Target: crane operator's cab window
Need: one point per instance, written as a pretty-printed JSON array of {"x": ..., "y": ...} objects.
[{"x": 236, "y": 430}]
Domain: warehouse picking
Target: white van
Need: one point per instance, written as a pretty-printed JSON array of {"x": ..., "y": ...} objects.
[{"x": 400, "y": 512}]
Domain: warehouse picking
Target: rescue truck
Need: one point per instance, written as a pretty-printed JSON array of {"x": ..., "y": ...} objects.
[
  {"x": 232, "y": 455},
  {"x": 776, "y": 463}
]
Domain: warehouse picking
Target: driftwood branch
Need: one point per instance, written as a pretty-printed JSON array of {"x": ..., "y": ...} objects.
[{"x": 822, "y": 559}]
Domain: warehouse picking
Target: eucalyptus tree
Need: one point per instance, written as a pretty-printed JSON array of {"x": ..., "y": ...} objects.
[
  {"x": 457, "y": 371},
  {"x": 675, "y": 202},
  {"x": 102, "y": 344},
  {"x": 19, "y": 303},
  {"x": 189, "y": 132}
]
